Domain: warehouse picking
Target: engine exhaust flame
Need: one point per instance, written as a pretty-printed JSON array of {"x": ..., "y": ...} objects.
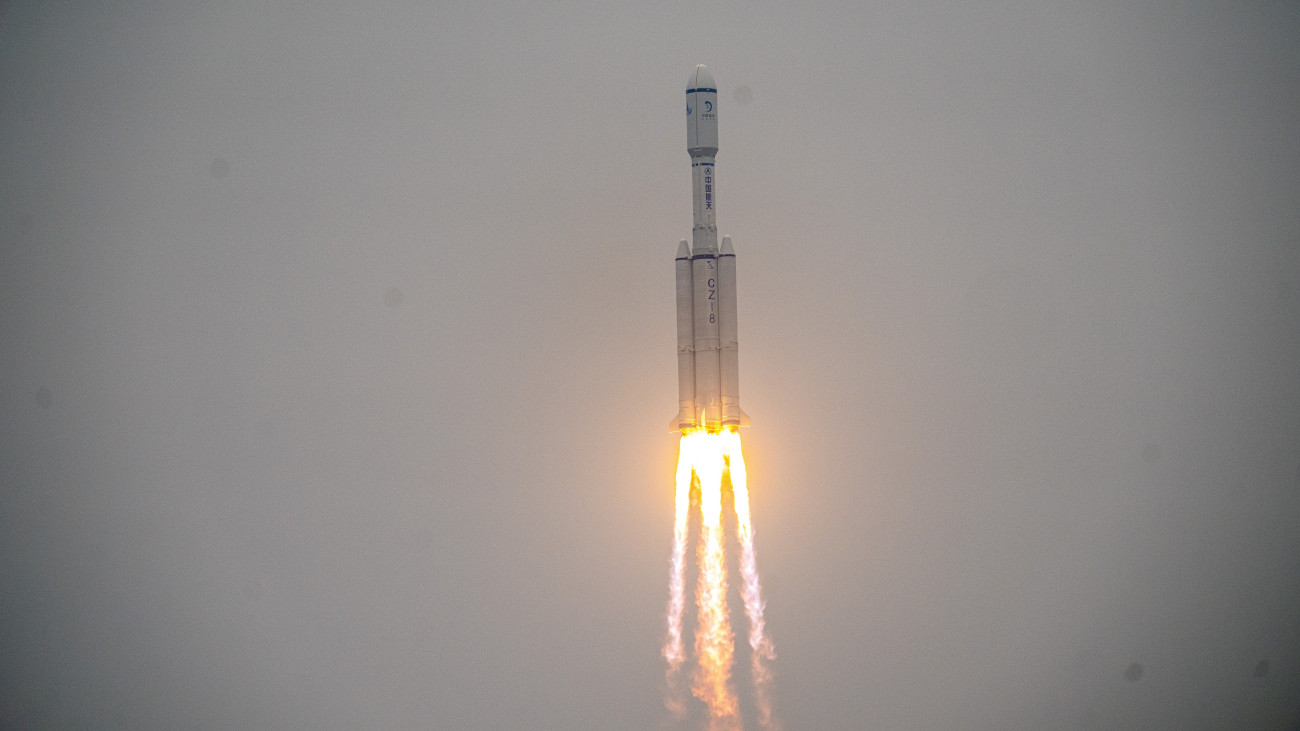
[
  {"x": 674, "y": 651},
  {"x": 713, "y": 638},
  {"x": 762, "y": 650},
  {"x": 705, "y": 458}
]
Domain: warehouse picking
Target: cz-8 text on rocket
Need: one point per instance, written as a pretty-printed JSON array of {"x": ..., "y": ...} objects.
[{"x": 708, "y": 366}]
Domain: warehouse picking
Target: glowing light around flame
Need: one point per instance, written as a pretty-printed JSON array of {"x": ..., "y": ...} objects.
[{"x": 704, "y": 459}]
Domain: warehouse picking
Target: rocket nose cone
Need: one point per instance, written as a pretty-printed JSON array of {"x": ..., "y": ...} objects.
[{"x": 701, "y": 78}]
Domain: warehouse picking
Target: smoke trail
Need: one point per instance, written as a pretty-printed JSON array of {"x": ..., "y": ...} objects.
[
  {"x": 713, "y": 637},
  {"x": 674, "y": 651},
  {"x": 751, "y": 591}
]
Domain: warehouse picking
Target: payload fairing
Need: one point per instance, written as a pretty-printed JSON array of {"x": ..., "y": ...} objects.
[{"x": 708, "y": 365}]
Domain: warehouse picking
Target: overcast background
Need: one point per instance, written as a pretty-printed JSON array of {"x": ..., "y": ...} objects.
[{"x": 337, "y": 353}]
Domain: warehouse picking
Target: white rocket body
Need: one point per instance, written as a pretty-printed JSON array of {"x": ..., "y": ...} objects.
[{"x": 708, "y": 367}]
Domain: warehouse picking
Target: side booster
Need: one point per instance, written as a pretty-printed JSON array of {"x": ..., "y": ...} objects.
[{"x": 708, "y": 365}]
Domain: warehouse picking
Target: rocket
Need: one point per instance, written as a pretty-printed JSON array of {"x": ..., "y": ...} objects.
[{"x": 708, "y": 365}]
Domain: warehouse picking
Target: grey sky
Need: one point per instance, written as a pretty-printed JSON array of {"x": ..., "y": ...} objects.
[{"x": 338, "y": 353}]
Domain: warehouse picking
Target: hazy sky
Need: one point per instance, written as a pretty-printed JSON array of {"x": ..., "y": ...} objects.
[{"x": 338, "y": 352}]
